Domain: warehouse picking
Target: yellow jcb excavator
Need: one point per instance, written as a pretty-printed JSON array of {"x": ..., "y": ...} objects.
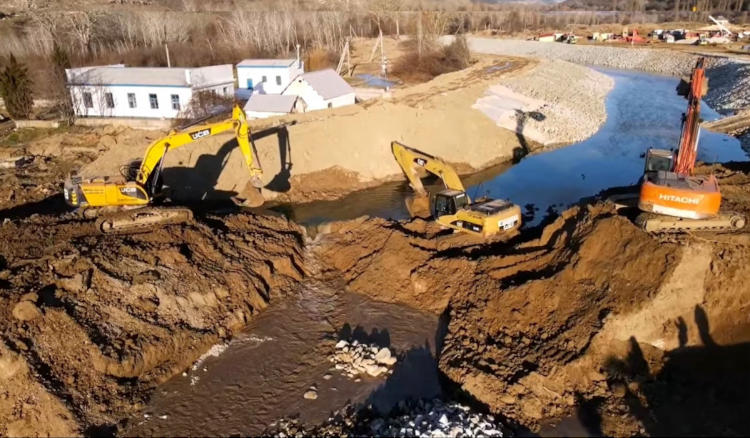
[
  {"x": 132, "y": 201},
  {"x": 452, "y": 207}
]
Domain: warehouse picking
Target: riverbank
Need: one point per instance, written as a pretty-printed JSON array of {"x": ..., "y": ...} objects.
[{"x": 729, "y": 78}]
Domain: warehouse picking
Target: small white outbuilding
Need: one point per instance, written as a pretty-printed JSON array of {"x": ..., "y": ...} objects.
[
  {"x": 268, "y": 76},
  {"x": 321, "y": 89},
  {"x": 260, "y": 106},
  {"x": 155, "y": 92}
]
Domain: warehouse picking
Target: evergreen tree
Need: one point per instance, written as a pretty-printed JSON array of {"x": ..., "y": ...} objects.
[{"x": 15, "y": 89}]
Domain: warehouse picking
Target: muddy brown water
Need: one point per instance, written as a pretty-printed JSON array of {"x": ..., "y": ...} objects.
[{"x": 263, "y": 373}]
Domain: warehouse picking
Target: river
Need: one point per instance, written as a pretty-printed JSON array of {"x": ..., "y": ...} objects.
[{"x": 643, "y": 111}]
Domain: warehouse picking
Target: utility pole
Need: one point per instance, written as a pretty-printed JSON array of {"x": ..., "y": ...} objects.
[{"x": 166, "y": 49}]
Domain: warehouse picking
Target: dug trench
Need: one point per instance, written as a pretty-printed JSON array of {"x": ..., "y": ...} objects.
[{"x": 588, "y": 318}]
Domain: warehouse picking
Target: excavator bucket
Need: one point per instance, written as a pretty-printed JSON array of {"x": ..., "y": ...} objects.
[
  {"x": 251, "y": 195},
  {"x": 418, "y": 206}
]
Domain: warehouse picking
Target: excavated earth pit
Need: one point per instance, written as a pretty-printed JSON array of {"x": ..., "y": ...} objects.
[{"x": 591, "y": 321}]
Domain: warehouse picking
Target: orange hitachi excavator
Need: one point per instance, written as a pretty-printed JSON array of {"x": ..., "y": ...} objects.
[{"x": 674, "y": 198}]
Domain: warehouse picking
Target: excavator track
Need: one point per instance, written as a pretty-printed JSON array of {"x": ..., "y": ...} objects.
[
  {"x": 141, "y": 220},
  {"x": 656, "y": 223}
]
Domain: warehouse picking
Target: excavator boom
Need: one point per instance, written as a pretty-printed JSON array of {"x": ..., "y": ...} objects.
[
  {"x": 150, "y": 168},
  {"x": 411, "y": 159},
  {"x": 688, "y": 151}
]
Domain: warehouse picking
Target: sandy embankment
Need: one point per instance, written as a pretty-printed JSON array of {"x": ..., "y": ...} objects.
[{"x": 467, "y": 117}]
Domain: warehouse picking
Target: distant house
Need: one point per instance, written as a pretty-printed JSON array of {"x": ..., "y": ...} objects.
[
  {"x": 260, "y": 106},
  {"x": 119, "y": 91},
  {"x": 268, "y": 76},
  {"x": 321, "y": 89}
]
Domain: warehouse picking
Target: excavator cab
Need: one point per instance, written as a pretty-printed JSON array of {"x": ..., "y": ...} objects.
[
  {"x": 658, "y": 159},
  {"x": 448, "y": 202}
]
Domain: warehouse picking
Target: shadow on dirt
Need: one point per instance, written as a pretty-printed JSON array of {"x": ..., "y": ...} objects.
[
  {"x": 381, "y": 338},
  {"x": 414, "y": 377},
  {"x": 700, "y": 390},
  {"x": 189, "y": 184},
  {"x": 280, "y": 182},
  {"x": 51, "y": 205}
]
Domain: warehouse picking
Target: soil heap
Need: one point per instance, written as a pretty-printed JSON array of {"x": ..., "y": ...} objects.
[
  {"x": 91, "y": 324},
  {"x": 594, "y": 320}
]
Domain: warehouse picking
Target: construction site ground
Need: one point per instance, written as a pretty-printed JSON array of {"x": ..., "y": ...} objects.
[{"x": 583, "y": 320}]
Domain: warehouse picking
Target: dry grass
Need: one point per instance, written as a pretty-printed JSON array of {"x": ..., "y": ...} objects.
[
  {"x": 319, "y": 59},
  {"x": 222, "y": 31},
  {"x": 413, "y": 68}
]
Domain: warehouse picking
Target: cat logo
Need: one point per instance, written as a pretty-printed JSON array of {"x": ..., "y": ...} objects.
[{"x": 200, "y": 134}]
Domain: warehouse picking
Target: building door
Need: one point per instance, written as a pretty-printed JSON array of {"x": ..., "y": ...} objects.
[{"x": 249, "y": 84}]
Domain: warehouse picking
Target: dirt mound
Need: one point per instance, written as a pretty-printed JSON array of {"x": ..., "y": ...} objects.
[
  {"x": 101, "y": 320},
  {"x": 503, "y": 341},
  {"x": 396, "y": 262},
  {"x": 595, "y": 322}
]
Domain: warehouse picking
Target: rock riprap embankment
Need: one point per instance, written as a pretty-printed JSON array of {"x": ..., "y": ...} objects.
[{"x": 729, "y": 87}]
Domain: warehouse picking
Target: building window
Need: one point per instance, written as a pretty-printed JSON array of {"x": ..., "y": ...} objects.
[
  {"x": 278, "y": 80},
  {"x": 154, "y": 101},
  {"x": 109, "y": 100},
  {"x": 249, "y": 84},
  {"x": 226, "y": 93},
  {"x": 88, "y": 102},
  {"x": 330, "y": 104},
  {"x": 175, "y": 102},
  {"x": 131, "y": 100},
  {"x": 264, "y": 79}
]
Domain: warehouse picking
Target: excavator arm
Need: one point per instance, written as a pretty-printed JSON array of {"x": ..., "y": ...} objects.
[
  {"x": 150, "y": 168},
  {"x": 411, "y": 159},
  {"x": 690, "y": 129}
]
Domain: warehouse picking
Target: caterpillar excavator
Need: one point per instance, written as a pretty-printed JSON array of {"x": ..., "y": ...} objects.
[
  {"x": 673, "y": 198},
  {"x": 452, "y": 207},
  {"x": 128, "y": 206}
]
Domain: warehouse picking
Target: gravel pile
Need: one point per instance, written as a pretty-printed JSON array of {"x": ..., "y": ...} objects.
[
  {"x": 729, "y": 88},
  {"x": 355, "y": 358},
  {"x": 571, "y": 113},
  {"x": 422, "y": 418}
]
